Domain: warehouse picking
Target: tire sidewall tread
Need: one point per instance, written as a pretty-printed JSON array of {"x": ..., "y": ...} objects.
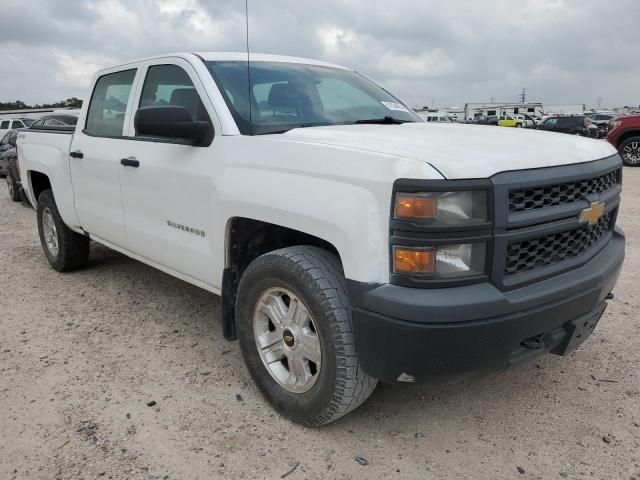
[{"x": 73, "y": 248}]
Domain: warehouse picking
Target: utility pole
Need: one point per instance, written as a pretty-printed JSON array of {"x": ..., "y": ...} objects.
[{"x": 523, "y": 95}]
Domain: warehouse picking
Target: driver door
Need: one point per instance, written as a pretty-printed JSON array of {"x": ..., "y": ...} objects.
[{"x": 167, "y": 183}]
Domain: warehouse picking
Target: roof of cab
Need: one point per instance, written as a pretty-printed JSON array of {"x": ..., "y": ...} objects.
[
  {"x": 262, "y": 57},
  {"x": 225, "y": 56}
]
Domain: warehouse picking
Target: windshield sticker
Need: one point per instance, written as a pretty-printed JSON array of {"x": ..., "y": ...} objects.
[{"x": 395, "y": 106}]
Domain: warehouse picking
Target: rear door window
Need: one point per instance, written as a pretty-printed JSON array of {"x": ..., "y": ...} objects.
[
  {"x": 108, "y": 105},
  {"x": 4, "y": 125}
]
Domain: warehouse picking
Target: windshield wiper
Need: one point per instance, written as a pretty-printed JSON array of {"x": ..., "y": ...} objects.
[{"x": 386, "y": 120}]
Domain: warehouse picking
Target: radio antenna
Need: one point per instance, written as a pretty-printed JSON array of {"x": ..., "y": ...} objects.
[{"x": 246, "y": 14}]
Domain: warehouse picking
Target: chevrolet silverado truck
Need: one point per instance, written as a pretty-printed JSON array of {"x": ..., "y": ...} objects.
[{"x": 350, "y": 241}]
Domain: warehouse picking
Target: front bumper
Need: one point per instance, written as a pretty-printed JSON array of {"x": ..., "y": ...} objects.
[{"x": 451, "y": 334}]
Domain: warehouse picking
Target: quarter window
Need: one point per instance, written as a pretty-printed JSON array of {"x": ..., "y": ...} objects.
[
  {"x": 171, "y": 85},
  {"x": 109, "y": 104}
]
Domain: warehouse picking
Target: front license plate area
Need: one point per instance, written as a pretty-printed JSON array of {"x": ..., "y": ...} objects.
[{"x": 578, "y": 331}]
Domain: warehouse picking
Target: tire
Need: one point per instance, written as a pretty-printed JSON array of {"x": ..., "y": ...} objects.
[
  {"x": 629, "y": 151},
  {"x": 12, "y": 187},
  {"x": 72, "y": 249},
  {"x": 311, "y": 278},
  {"x": 518, "y": 125}
]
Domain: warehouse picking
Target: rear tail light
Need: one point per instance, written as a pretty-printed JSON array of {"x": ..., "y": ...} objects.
[{"x": 586, "y": 122}]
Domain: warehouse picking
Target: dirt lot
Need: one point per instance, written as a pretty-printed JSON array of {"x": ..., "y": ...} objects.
[{"x": 82, "y": 354}]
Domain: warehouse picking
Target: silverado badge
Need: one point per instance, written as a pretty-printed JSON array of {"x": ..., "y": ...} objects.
[{"x": 593, "y": 213}]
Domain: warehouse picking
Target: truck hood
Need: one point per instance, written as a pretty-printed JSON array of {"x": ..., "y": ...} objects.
[{"x": 460, "y": 151}]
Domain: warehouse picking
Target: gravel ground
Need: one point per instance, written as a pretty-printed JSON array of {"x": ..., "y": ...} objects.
[{"x": 82, "y": 354}]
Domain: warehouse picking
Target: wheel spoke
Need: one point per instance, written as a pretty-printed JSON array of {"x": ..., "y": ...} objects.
[
  {"x": 298, "y": 315},
  {"x": 310, "y": 346},
  {"x": 273, "y": 353},
  {"x": 269, "y": 338},
  {"x": 274, "y": 307},
  {"x": 298, "y": 371}
]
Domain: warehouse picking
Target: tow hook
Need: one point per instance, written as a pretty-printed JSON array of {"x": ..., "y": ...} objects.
[{"x": 533, "y": 343}]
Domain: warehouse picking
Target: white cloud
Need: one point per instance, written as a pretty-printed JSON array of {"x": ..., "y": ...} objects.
[{"x": 569, "y": 51}]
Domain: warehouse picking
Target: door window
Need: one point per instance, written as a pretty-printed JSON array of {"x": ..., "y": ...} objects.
[
  {"x": 109, "y": 104},
  {"x": 171, "y": 85},
  {"x": 4, "y": 125},
  {"x": 17, "y": 124}
]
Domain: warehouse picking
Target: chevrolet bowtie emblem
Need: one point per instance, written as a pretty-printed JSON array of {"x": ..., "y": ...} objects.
[{"x": 593, "y": 213}]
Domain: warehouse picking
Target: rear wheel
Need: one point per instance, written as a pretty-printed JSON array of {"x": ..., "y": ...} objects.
[
  {"x": 65, "y": 249},
  {"x": 629, "y": 150},
  {"x": 12, "y": 187},
  {"x": 294, "y": 326}
]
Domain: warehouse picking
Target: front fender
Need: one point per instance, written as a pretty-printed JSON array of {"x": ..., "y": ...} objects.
[{"x": 339, "y": 195}]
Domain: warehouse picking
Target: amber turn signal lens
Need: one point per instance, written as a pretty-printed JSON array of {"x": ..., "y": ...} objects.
[
  {"x": 417, "y": 207},
  {"x": 414, "y": 261}
]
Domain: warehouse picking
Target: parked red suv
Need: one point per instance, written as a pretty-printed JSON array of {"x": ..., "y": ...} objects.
[{"x": 624, "y": 134}]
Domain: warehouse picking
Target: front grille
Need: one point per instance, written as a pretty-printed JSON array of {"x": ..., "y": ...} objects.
[
  {"x": 529, "y": 254},
  {"x": 548, "y": 196}
]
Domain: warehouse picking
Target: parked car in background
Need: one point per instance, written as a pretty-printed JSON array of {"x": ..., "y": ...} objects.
[
  {"x": 490, "y": 120},
  {"x": 624, "y": 134},
  {"x": 55, "y": 121},
  {"x": 527, "y": 120},
  {"x": 7, "y": 154},
  {"x": 574, "y": 125},
  {"x": 7, "y": 142},
  {"x": 436, "y": 117},
  {"x": 7, "y": 124},
  {"x": 601, "y": 121},
  {"x": 509, "y": 121}
]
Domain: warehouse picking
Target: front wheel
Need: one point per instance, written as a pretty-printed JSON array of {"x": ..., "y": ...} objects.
[
  {"x": 65, "y": 249},
  {"x": 12, "y": 187},
  {"x": 293, "y": 317},
  {"x": 629, "y": 150}
]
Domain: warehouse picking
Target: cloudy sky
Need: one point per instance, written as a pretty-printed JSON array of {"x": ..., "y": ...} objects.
[{"x": 446, "y": 52}]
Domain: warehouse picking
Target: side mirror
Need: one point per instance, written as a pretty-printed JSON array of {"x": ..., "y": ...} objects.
[{"x": 171, "y": 121}]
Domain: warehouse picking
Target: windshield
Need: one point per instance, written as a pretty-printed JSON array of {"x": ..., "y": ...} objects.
[
  {"x": 291, "y": 95},
  {"x": 27, "y": 122}
]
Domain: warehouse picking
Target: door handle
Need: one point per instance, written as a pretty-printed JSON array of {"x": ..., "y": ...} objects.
[
  {"x": 130, "y": 162},
  {"x": 76, "y": 154}
]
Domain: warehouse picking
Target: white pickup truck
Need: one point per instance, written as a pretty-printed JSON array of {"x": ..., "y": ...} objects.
[{"x": 350, "y": 241}]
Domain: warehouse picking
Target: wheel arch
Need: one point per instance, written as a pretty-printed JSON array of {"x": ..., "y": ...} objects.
[
  {"x": 38, "y": 183},
  {"x": 245, "y": 240},
  {"x": 628, "y": 134}
]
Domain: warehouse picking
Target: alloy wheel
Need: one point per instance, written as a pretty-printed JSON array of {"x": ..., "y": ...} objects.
[{"x": 287, "y": 340}]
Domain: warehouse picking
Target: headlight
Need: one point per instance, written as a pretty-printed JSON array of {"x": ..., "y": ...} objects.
[
  {"x": 442, "y": 261},
  {"x": 447, "y": 208}
]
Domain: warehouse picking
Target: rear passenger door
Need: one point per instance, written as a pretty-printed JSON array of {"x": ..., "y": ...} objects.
[
  {"x": 168, "y": 195},
  {"x": 95, "y": 157}
]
